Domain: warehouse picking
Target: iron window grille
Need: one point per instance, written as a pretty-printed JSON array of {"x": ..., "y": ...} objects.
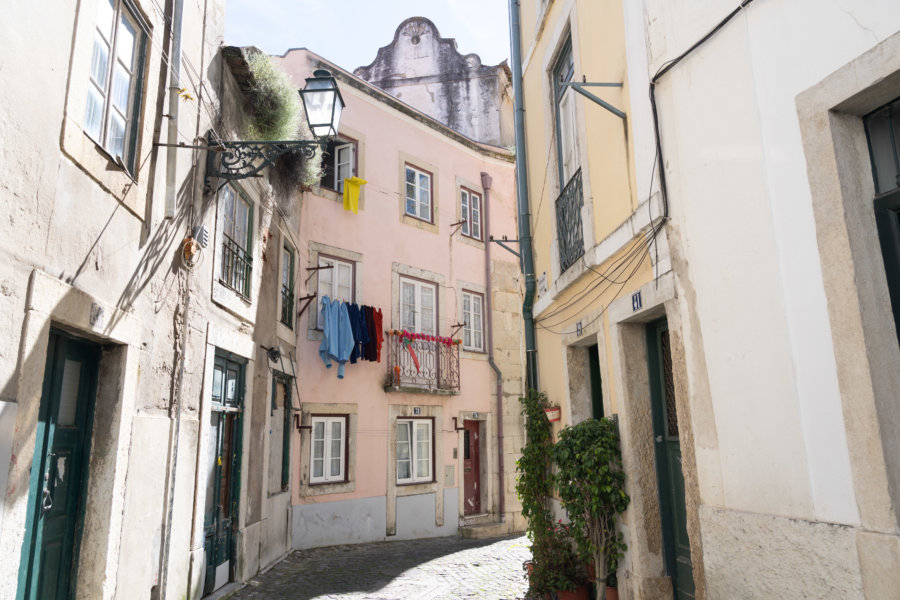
[
  {"x": 236, "y": 266},
  {"x": 568, "y": 223}
]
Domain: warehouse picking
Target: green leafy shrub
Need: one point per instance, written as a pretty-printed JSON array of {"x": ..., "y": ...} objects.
[
  {"x": 591, "y": 486},
  {"x": 554, "y": 563}
]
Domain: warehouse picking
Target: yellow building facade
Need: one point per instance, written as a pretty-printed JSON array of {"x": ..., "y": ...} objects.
[{"x": 607, "y": 319}]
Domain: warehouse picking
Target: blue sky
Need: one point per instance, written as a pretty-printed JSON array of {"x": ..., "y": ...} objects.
[{"x": 350, "y": 32}]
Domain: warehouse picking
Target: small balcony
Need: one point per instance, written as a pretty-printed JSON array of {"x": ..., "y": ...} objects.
[
  {"x": 569, "y": 231},
  {"x": 417, "y": 363}
]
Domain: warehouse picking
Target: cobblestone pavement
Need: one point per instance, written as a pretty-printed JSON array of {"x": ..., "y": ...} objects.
[{"x": 446, "y": 568}]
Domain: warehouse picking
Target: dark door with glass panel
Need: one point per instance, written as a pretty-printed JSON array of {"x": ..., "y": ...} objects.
[
  {"x": 223, "y": 472},
  {"x": 669, "y": 471},
  {"x": 471, "y": 468},
  {"x": 58, "y": 472},
  {"x": 883, "y": 134}
]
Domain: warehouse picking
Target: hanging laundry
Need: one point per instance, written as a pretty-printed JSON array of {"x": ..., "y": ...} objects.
[
  {"x": 359, "y": 329},
  {"x": 371, "y": 350},
  {"x": 337, "y": 340},
  {"x": 379, "y": 332},
  {"x": 351, "y": 193}
]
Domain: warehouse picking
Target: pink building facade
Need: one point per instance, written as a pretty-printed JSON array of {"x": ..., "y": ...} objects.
[{"x": 423, "y": 441}]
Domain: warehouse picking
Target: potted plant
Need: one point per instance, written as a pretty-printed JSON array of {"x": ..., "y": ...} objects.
[{"x": 590, "y": 482}]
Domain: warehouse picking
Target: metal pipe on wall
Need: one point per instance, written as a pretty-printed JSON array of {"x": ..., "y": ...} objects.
[
  {"x": 526, "y": 260},
  {"x": 486, "y": 182}
]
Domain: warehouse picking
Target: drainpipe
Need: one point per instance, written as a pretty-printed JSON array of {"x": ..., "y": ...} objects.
[
  {"x": 174, "y": 64},
  {"x": 174, "y": 87},
  {"x": 526, "y": 260},
  {"x": 501, "y": 498}
]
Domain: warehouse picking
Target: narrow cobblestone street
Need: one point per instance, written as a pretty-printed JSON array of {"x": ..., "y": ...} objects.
[{"x": 446, "y": 568}]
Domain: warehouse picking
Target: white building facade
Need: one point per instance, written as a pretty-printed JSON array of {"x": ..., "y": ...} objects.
[{"x": 769, "y": 131}]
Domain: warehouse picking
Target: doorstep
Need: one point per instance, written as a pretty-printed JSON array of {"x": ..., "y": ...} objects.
[{"x": 481, "y": 531}]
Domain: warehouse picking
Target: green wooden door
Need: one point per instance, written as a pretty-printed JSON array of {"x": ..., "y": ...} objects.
[
  {"x": 59, "y": 471},
  {"x": 670, "y": 475},
  {"x": 223, "y": 472},
  {"x": 887, "y": 216}
]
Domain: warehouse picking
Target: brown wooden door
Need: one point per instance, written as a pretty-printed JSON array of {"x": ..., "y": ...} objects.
[{"x": 472, "y": 468}]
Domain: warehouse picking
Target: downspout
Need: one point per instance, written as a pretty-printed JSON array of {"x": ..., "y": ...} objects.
[
  {"x": 174, "y": 87},
  {"x": 174, "y": 65},
  {"x": 526, "y": 260},
  {"x": 501, "y": 497}
]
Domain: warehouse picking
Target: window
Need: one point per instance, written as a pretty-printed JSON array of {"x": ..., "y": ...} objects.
[
  {"x": 236, "y": 236},
  {"x": 418, "y": 306},
  {"x": 473, "y": 317},
  {"x": 883, "y": 132},
  {"x": 117, "y": 64},
  {"x": 414, "y": 455},
  {"x": 327, "y": 461},
  {"x": 336, "y": 282},
  {"x": 470, "y": 213},
  {"x": 280, "y": 434},
  {"x": 338, "y": 163},
  {"x": 565, "y": 116},
  {"x": 287, "y": 285},
  {"x": 418, "y": 193}
]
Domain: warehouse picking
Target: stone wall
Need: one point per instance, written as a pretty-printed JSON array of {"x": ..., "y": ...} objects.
[{"x": 427, "y": 72}]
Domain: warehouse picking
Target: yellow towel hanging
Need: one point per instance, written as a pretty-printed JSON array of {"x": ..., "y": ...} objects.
[{"x": 351, "y": 193}]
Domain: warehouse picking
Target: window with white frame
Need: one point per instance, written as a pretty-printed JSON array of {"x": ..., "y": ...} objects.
[
  {"x": 117, "y": 64},
  {"x": 236, "y": 217},
  {"x": 328, "y": 448},
  {"x": 418, "y": 306},
  {"x": 566, "y": 138},
  {"x": 473, "y": 317},
  {"x": 338, "y": 163},
  {"x": 335, "y": 281},
  {"x": 414, "y": 450},
  {"x": 418, "y": 193},
  {"x": 470, "y": 213}
]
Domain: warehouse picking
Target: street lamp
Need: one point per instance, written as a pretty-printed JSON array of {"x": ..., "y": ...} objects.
[{"x": 322, "y": 105}]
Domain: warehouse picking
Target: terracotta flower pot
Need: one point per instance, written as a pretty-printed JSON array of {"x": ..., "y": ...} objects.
[
  {"x": 579, "y": 594},
  {"x": 612, "y": 593}
]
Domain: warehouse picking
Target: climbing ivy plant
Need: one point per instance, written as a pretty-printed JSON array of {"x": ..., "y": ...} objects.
[{"x": 535, "y": 488}]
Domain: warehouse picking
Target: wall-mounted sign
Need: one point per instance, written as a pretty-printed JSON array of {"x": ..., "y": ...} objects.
[
  {"x": 636, "y": 301},
  {"x": 578, "y": 329},
  {"x": 417, "y": 410}
]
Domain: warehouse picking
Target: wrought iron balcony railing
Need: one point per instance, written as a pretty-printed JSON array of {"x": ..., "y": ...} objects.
[
  {"x": 236, "y": 266},
  {"x": 568, "y": 222},
  {"x": 287, "y": 306},
  {"x": 429, "y": 363}
]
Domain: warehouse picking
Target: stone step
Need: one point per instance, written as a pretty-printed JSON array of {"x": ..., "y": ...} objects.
[{"x": 481, "y": 531}]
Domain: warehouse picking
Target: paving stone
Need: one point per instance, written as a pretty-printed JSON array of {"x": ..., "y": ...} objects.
[{"x": 448, "y": 568}]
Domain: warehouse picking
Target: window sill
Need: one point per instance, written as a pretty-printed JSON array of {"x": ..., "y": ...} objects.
[
  {"x": 233, "y": 302},
  {"x": 326, "y": 488},
  {"x": 408, "y": 219},
  {"x": 414, "y": 489},
  {"x": 286, "y": 333},
  {"x": 103, "y": 168}
]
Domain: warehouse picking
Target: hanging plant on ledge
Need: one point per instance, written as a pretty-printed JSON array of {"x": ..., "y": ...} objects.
[{"x": 273, "y": 112}]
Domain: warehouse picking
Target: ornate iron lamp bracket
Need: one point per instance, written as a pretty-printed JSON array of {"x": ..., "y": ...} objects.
[{"x": 242, "y": 159}]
